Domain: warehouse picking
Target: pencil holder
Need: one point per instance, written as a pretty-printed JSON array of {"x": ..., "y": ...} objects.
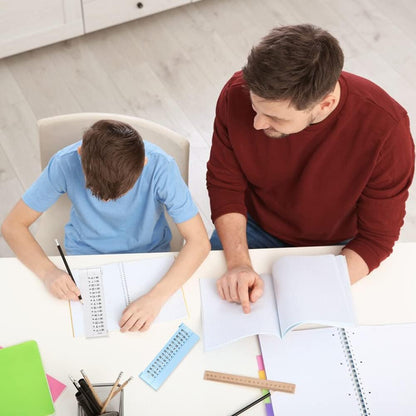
[{"x": 115, "y": 404}]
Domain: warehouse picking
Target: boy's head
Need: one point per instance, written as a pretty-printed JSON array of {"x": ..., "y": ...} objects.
[{"x": 113, "y": 157}]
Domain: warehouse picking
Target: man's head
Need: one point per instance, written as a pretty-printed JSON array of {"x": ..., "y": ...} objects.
[
  {"x": 290, "y": 73},
  {"x": 112, "y": 155}
]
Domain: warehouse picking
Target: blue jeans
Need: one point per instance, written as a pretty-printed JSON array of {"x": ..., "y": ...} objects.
[{"x": 256, "y": 238}]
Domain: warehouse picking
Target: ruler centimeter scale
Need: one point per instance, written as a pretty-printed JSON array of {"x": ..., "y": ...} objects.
[
  {"x": 169, "y": 356},
  {"x": 250, "y": 381},
  {"x": 95, "y": 319}
]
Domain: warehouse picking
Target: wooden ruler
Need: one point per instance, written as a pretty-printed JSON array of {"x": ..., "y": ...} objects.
[{"x": 250, "y": 381}]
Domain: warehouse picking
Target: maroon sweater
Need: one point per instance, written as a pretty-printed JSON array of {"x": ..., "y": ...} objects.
[{"x": 345, "y": 177}]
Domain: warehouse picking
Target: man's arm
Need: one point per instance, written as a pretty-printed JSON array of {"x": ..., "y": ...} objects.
[
  {"x": 240, "y": 283},
  {"x": 139, "y": 315},
  {"x": 357, "y": 267},
  {"x": 381, "y": 207},
  {"x": 15, "y": 230}
]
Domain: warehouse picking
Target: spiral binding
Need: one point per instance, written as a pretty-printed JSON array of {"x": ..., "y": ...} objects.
[
  {"x": 124, "y": 284},
  {"x": 354, "y": 372}
]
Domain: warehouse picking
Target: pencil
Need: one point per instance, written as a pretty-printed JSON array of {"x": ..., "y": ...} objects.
[
  {"x": 260, "y": 399},
  {"x": 122, "y": 386},
  {"x": 87, "y": 380},
  {"x": 66, "y": 265},
  {"x": 110, "y": 395}
]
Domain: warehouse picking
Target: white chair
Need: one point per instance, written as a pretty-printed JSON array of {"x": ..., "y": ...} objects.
[{"x": 60, "y": 131}]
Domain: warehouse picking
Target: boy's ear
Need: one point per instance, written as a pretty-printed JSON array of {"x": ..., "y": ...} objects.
[
  {"x": 145, "y": 161},
  {"x": 79, "y": 150}
]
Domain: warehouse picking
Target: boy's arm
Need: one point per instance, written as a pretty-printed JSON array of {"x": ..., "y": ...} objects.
[
  {"x": 15, "y": 230},
  {"x": 139, "y": 315}
]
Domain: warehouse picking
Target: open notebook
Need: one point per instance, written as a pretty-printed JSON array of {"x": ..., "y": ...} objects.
[
  {"x": 108, "y": 289},
  {"x": 301, "y": 290},
  {"x": 362, "y": 371}
]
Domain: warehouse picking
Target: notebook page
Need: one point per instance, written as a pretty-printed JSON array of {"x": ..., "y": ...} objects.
[
  {"x": 314, "y": 361},
  {"x": 386, "y": 363},
  {"x": 115, "y": 300},
  {"x": 224, "y": 322},
  {"x": 142, "y": 275},
  {"x": 314, "y": 290}
]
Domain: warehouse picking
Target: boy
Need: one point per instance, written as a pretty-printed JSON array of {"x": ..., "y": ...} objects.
[{"x": 118, "y": 186}]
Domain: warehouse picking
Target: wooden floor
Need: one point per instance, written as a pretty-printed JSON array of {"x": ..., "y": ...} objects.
[{"x": 170, "y": 68}]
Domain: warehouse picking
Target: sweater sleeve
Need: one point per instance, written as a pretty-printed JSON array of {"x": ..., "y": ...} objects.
[
  {"x": 226, "y": 182},
  {"x": 381, "y": 207}
]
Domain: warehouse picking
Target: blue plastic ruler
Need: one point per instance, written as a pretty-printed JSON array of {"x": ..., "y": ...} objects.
[{"x": 169, "y": 357}]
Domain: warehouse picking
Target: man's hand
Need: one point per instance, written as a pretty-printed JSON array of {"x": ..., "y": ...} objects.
[
  {"x": 61, "y": 285},
  {"x": 241, "y": 285},
  {"x": 139, "y": 315}
]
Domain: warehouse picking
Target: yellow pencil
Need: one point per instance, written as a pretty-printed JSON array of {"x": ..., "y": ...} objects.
[
  {"x": 110, "y": 395},
  {"x": 122, "y": 386},
  {"x": 91, "y": 388}
]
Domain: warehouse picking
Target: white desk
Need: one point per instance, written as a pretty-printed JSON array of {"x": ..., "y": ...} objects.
[{"x": 27, "y": 311}]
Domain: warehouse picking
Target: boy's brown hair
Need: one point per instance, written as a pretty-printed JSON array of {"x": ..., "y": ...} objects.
[
  {"x": 112, "y": 155},
  {"x": 300, "y": 63}
]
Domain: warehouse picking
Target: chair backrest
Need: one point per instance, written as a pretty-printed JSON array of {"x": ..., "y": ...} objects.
[{"x": 60, "y": 131}]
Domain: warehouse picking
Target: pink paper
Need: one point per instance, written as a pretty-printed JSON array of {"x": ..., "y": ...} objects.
[{"x": 55, "y": 386}]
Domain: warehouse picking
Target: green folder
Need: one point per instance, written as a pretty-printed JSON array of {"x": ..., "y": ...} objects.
[{"x": 24, "y": 389}]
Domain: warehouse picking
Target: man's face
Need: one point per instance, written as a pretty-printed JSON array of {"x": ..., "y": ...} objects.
[{"x": 279, "y": 119}]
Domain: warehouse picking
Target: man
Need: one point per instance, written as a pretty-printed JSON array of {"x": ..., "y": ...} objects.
[
  {"x": 304, "y": 154},
  {"x": 118, "y": 186}
]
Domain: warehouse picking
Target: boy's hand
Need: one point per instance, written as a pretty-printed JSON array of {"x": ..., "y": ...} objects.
[
  {"x": 61, "y": 285},
  {"x": 140, "y": 314}
]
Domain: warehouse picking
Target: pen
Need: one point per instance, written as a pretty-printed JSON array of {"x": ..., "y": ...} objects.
[
  {"x": 260, "y": 399},
  {"x": 110, "y": 395},
  {"x": 66, "y": 265},
  {"x": 89, "y": 396},
  {"x": 84, "y": 404},
  {"x": 82, "y": 396}
]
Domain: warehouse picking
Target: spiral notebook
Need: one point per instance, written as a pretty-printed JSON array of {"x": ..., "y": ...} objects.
[
  {"x": 368, "y": 370},
  {"x": 108, "y": 289}
]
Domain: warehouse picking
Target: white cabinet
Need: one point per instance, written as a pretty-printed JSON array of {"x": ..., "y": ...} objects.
[
  {"x": 103, "y": 13},
  {"x": 28, "y": 24}
]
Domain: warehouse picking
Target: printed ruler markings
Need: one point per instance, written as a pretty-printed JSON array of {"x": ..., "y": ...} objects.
[
  {"x": 169, "y": 357},
  {"x": 250, "y": 381}
]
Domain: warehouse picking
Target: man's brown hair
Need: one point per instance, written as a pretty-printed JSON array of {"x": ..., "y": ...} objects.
[
  {"x": 300, "y": 63},
  {"x": 112, "y": 155}
]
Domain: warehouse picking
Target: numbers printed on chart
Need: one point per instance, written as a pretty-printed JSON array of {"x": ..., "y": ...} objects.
[{"x": 94, "y": 311}]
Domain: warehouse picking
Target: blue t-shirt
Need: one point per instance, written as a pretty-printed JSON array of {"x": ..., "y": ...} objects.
[{"x": 135, "y": 222}]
